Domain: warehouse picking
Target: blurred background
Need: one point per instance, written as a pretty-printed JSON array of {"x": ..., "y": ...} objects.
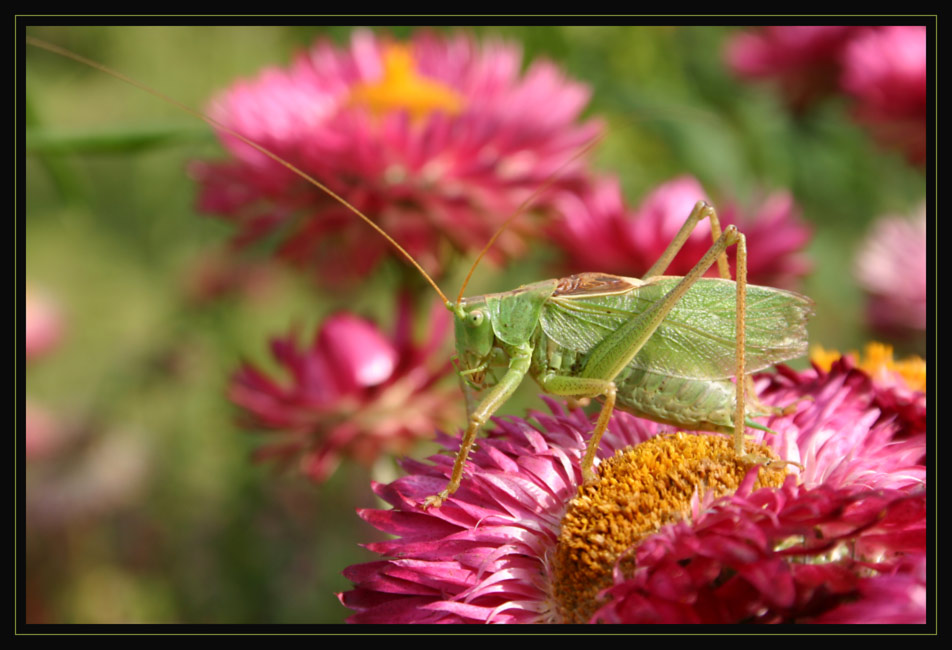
[{"x": 143, "y": 503}]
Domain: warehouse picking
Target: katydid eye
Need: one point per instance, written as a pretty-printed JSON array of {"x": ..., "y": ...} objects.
[{"x": 476, "y": 318}]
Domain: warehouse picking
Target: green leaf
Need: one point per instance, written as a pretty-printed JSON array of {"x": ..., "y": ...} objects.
[{"x": 121, "y": 139}]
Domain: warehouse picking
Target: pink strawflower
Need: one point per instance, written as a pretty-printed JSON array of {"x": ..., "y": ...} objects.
[
  {"x": 598, "y": 233},
  {"x": 885, "y": 70},
  {"x": 44, "y": 323},
  {"x": 835, "y": 543},
  {"x": 891, "y": 268},
  {"x": 805, "y": 60},
  {"x": 438, "y": 139},
  {"x": 354, "y": 392},
  {"x": 832, "y": 443}
]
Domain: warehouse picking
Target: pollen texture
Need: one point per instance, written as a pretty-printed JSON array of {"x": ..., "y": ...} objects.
[{"x": 637, "y": 491}]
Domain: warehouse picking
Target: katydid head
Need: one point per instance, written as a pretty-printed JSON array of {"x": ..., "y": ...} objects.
[{"x": 475, "y": 339}]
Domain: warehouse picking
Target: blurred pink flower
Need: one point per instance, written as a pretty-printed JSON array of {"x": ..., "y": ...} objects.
[
  {"x": 439, "y": 139},
  {"x": 44, "y": 323},
  {"x": 885, "y": 70},
  {"x": 837, "y": 543},
  {"x": 805, "y": 60},
  {"x": 891, "y": 268},
  {"x": 353, "y": 393},
  {"x": 598, "y": 233}
]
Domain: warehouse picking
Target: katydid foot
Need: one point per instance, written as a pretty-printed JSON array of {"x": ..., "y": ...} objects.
[
  {"x": 767, "y": 462},
  {"x": 436, "y": 500}
]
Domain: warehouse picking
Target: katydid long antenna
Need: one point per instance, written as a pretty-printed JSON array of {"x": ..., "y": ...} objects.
[
  {"x": 221, "y": 127},
  {"x": 523, "y": 207}
]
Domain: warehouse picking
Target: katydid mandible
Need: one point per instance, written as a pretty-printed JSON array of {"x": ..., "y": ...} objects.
[{"x": 677, "y": 350}]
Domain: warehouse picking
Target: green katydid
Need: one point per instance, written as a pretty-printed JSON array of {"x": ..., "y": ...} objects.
[
  {"x": 665, "y": 348},
  {"x": 677, "y": 350}
]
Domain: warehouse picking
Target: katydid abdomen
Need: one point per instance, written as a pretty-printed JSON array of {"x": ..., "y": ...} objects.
[{"x": 683, "y": 403}]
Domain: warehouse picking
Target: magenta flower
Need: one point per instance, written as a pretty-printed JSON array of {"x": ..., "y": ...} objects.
[
  {"x": 439, "y": 139},
  {"x": 805, "y": 60},
  {"x": 520, "y": 542},
  {"x": 353, "y": 393},
  {"x": 891, "y": 267},
  {"x": 882, "y": 68},
  {"x": 885, "y": 70},
  {"x": 598, "y": 233},
  {"x": 782, "y": 556}
]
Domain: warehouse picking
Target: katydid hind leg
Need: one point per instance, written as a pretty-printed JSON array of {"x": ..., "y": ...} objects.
[
  {"x": 740, "y": 337},
  {"x": 743, "y": 382},
  {"x": 607, "y": 359},
  {"x": 702, "y": 210}
]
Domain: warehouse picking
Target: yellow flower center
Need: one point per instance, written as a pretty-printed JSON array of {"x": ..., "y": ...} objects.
[
  {"x": 402, "y": 88},
  {"x": 638, "y": 490},
  {"x": 878, "y": 362}
]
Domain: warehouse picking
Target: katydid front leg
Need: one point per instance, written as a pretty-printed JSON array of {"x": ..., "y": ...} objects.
[{"x": 519, "y": 362}]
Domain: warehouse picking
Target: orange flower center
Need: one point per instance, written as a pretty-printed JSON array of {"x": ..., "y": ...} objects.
[
  {"x": 403, "y": 88},
  {"x": 878, "y": 362},
  {"x": 637, "y": 491}
]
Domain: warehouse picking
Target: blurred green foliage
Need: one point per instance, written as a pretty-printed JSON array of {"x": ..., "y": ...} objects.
[{"x": 111, "y": 231}]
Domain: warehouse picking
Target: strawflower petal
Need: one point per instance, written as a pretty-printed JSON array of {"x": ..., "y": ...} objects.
[
  {"x": 885, "y": 69},
  {"x": 803, "y": 59},
  {"x": 44, "y": 323}
]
